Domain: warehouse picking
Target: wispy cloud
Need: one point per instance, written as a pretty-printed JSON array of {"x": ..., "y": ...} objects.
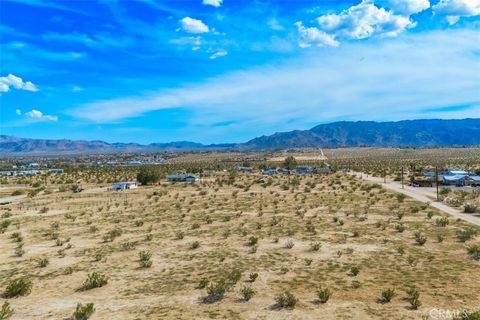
[
  {"x": 218, "y": 54},
  {"x": 381, "y": 80}
]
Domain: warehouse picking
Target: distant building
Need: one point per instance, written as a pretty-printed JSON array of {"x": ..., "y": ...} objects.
[
  {"x": 303, "y": 170},
  {"x": 55, "y": 170},
  {"x": 456, "y": 180},
  {"x": 32, "y": 165},
  {"x": 124, "y": 185},
  {"x": 6, "y": 173},
  {"x": 245, "y": 169},
  {"x": 454, "y": 171},
  {"x": 181, "y": 177},
  {"x": 26, "y": 172},
  {"x": 269, "y": 171},
  {"x": 325, "y": 170}
]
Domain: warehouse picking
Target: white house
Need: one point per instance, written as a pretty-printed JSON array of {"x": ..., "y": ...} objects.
[{"x": 124, "y": 185}]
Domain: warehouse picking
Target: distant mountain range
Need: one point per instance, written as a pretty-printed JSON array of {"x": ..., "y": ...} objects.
[{"x": 408, "y": 133}]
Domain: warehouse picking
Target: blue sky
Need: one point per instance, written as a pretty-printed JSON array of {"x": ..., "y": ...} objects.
[{"x": 217, "y": 71}]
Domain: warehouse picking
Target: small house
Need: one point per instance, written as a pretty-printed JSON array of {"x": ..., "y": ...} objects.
[
  {"x": 324, "y": 170},
  {"x": 55, "y": 170},
  {"x": 269, "y": 171},
  {"x": 124, "y": 185},
  {"x": 180, "y": 177},
  {"x": 456, "y": 180},
  {"x": 304, "y": 170}
]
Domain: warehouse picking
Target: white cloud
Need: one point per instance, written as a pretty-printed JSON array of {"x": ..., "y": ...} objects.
[
  {"x": 218, "y": 54},
  {"x": 76, "y": 88},
  {"x": 215, "y": 3},
  {"x": 364, "y": 20},
  {"x": 313, "y": 36},
  {"x": 18, "y": 112},
  {"x": 453, "y": 10},
  {"x": 405, "y": 7},
  {"x": 38, "y": 115},
  {"x": 15, "y": 82},
  {"x": 191, "y": 25},
  {"x": 397, "y": 78}
]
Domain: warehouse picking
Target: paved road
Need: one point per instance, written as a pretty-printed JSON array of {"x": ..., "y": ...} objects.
[{"x": 421, "y": 194}]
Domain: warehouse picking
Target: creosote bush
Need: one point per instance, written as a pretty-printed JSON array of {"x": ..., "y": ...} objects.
[
  {"x": 18, "y": 287},
  {"x": 145, "y": 259},
  {"x": 83, "y": 311},
  {"x": 387, "y": 295},
  {"x": 6, "y": 311},
  {"x": 324, "y": 294},
  {"x": 286, "y": 299},
  {"x": 94, "y": 280},
  {"x": 247, "y": 293}
]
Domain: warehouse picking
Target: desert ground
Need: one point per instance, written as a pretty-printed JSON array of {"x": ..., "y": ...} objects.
[{"x": 228, "y": 246}]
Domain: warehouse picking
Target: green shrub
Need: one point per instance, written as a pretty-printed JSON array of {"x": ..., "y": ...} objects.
[
  {"x": 466, "y": 234},
  {"x": 400, "y": 227},
  {"x": 413, "y": 297},
  {"x": 179, "y": 235},
  {"x": 247, "y": 293},
  {"x": 474, "y": 252},
  {"x": 18, "y": 192},
  {"x": 148, "y": 175},
  {"x": 4, "y": 225},
  {"x": 388, "y": 295},
  {"x": 16, "y": 237},
  {"x": 6, "y": 311},
  {"x": 202, "y": 283},
  {"x": 470, "y": 208},
  {"x": 420, "y": 239},
  {"x": 253, "y": 276},
  {"x": 43, "y": 262},
  {"x": 216, "y": 291},
  {"x": 354, "y": 271},
  {"x": 286, "y": 300},
  {"x": 252, "y": 241},
  {"x": 441, "y": 222},
  {"x": 18, "y": 287},
  {"x": 324, "y": 294},
  {"x": 315, "y": 246},
  {"x": 195, "y": 245},
  {"x": 83, "y": 311},
  {"x": 145, "y": 259},
  {"x": 440, "y": 238},
  {"x": 94, "y": 280}
]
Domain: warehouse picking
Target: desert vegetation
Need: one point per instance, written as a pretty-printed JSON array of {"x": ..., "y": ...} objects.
[{"x": 233, "y": 245}]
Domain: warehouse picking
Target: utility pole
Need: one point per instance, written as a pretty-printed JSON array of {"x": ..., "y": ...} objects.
[
  {"x": 402, "y": 177},
  {"x": 436, "y": 181}
]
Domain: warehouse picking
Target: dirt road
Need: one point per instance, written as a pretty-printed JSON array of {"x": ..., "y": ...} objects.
[{"x": 426, "y": 195}]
